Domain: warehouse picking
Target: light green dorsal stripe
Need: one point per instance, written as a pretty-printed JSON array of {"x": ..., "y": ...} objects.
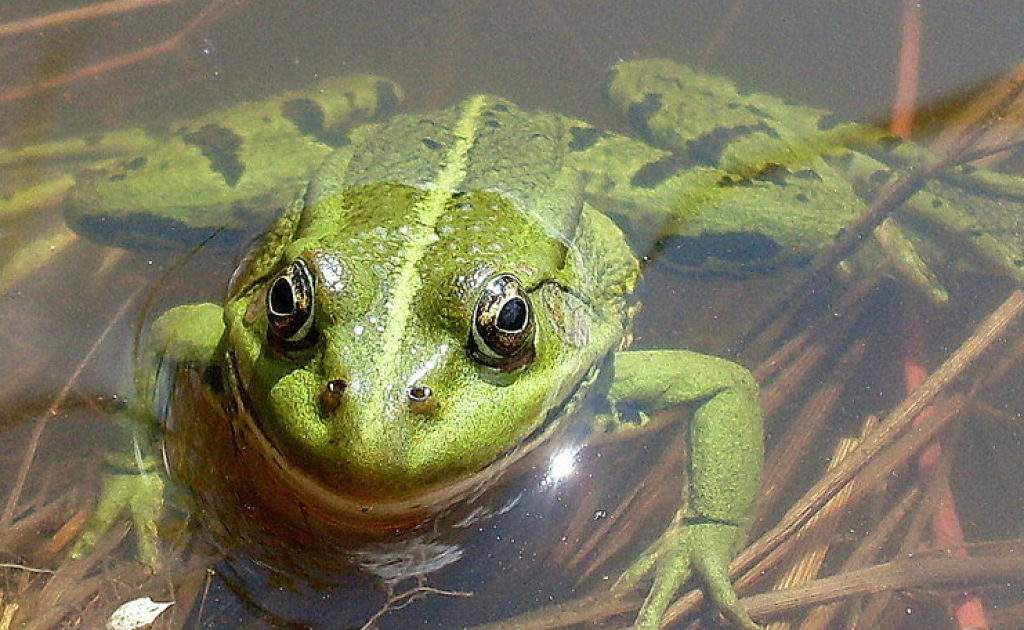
[{"x": 407, "y": 283}]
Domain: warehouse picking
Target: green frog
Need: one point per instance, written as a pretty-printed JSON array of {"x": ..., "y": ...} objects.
[{"x": 451, "y": 283}]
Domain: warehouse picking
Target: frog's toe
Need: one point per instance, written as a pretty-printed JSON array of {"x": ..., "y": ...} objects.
[
  {"x": 714, "y": 572},
  {"x": 670, "y": 574},
  {"x": 894, "y": 251},
  {"x": 711, "y": 548},
  {"x": 907, "y": 262},
  {"x": 684, "y": 549},
  {"x": 139, "y": 494}
]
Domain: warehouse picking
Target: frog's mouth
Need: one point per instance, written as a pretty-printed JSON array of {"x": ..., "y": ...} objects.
[{"x": 290, "y": 491}]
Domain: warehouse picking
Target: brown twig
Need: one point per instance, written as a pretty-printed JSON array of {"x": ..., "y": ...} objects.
[
  {"x": 898, "y": 420},
  {"x": 895, "y": 423},
  {"x": 816, "y": 537},
  {"x": 889, "y": 576},
  {"x": 61, "y": 18},
  {"x": 168, "y": 45},
  {"x": 53, "y": 410}
]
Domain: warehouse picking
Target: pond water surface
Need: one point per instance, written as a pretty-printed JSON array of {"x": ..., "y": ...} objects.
[{"x": 73, "y": 313}]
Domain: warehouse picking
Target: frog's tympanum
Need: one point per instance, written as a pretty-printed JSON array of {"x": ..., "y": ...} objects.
[{"x": 451, "y": 283}]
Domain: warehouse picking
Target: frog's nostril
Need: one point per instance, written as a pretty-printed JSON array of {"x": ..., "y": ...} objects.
[
  {"x": 330, "y": 398},
  {"x": 421, "y": 399}
]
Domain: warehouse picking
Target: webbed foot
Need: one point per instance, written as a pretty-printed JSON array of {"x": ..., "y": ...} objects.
[
  {"x": 704, "y": 549},
  {"x": 137, "y": 490}
]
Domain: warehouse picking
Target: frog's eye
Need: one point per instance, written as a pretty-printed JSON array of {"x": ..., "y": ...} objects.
[
  {"x": 290, "y": 304},
  {"x": 503, "y": 325}
]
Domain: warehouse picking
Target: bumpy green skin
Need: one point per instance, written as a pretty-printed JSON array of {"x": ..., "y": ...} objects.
[
  {"x": 776, "y": 183},
  {"x": 402, "y": 231},
  {"x": 401, "y": 256},
  {"x": 223, "y": 171}
]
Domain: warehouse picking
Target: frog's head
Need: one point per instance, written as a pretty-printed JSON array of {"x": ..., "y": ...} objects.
[{"x": 406, "y": 340}]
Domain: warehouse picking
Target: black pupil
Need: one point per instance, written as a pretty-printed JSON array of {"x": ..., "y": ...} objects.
[
  {"x": 512, "y": 316},
  {"x": 282, "y": 299}
]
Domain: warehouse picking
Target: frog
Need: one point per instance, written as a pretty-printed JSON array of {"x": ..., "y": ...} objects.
[{"x": 450, "y": 284}]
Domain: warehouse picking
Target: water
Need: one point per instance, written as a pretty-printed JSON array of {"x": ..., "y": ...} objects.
[{"x": 71, "y": 318}]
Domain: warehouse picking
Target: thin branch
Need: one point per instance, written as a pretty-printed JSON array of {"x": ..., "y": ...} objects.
[
  {"x": 931, "y": 573},
  {"x": 60, "y": 18}
]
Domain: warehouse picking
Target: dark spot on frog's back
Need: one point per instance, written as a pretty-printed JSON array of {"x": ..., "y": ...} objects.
[
  {"x": 492, "y": 117},
  {"x": 729, "y": 180},
  {"x": 769, "y": 172},
  {"x": 889, "y": 143},
  {"x": 842, "y": 161},
  {"x": 881, "y": 177},
  {"x": 307, "y": 116},
  {"x": 135, "y": 164},
  {"x": 707, "y": 149},
  {"x": 146, "y": 232},
  {"x": 758, "y": 112},
  {"x": 774, "y": 173},
  {"x": 220, "y": 146},
  {"x": 807, "y": 174},
  {"x": 584, "y": 138},
  {"x": 829, "y": 121},
  {"x": 745, "y": 249},
  {"x": 387, "y": 100},
  {"x": 640, "y": 114},
  {"x": 652, "y": 174}
]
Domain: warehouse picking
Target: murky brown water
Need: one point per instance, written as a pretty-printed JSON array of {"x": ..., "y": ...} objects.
[{"x": 71, "y": 310}]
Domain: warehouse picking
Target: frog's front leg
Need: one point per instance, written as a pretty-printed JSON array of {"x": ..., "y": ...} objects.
[
  {"x": 724, "y": 476},
  {"x": 133, "y": 482}
]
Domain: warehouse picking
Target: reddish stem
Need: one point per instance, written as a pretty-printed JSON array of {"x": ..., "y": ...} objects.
[
  {"x": 168, "y": 45},
  {"x": 946, "y": 530},
  {"x": 909, "y": 70}
]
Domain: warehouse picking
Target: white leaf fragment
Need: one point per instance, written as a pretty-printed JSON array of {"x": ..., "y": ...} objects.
[{"x": 137, "y": 614}]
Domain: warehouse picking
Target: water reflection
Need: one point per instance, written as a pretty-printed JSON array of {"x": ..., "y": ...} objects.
[{"x": 561, "y": 465}]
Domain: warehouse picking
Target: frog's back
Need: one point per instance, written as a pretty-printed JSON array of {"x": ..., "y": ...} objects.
[
  {"x": 489, "y": 144},
  {"x": 504, "y": 149}
]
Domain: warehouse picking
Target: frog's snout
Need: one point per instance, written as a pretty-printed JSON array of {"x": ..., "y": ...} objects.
[{"x": 422, "y": 400}]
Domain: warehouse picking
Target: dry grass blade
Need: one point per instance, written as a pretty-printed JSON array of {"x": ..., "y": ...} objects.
[
  {"x": 898, "y": 421},
  {"x": 215, "y": 9},
  {"x": 999, "y": 113},
  {"x": 816, "y": 537},
  {"x": 804, "y": 432},
  {"x": 931, "y": 573},
  {"x": 62, "y": 18},
  {"x": 865, "y": 554},
  {"x": 40, "y": 425}
]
